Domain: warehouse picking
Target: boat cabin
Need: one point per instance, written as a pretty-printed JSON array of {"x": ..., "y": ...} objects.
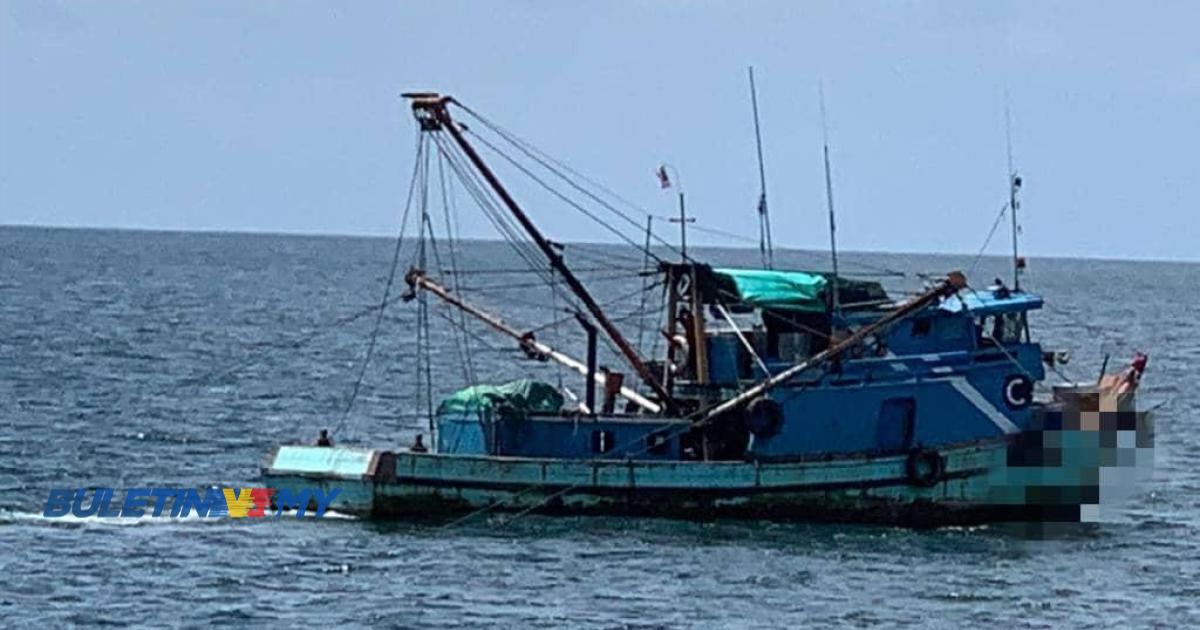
[{"x": 957, "y": 370}]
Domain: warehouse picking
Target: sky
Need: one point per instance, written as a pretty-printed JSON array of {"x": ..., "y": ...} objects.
[{"x": 287, "y": 116}]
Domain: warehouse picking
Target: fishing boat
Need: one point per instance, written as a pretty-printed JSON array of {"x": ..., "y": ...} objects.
[{"x": 779, "y": 394}]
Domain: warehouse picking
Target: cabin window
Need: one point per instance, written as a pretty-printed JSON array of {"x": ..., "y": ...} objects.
[
  {"x": 658, "y": 443},
  {"x": 1004, "y": 328},
  {"x": 602, "y": 441},
  {"x": 921, "y": 327},
  {"x": 793, "y": 346},
  {"x": 1010, "y": 327}
]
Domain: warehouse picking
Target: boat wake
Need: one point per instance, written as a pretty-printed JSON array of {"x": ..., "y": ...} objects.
[{"x": 35, "y": 518}]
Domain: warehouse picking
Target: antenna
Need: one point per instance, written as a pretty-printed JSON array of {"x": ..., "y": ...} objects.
[
  {"x": 1014, "y": 185},
  {"x": 683, "y": 219},
  {"x": 764, "y": 220},
  {"x": 829, "y": 202}
]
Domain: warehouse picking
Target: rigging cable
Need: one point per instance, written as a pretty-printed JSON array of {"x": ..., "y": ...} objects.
[
  {"x": 504, "y": 224},
  {"x": 387, "y": 291},
  {"x": 460, "y": 343},
  {"x": 549, "y": 162},
  {"x": 988, "y": 240},
  {"x": 564, "y": 198},
  {"x": 544, "y": 159},
  {"x": 423, "y": 345}
]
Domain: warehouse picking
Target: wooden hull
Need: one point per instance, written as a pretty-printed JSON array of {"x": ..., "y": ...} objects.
[{"x": 976, "y": 483}]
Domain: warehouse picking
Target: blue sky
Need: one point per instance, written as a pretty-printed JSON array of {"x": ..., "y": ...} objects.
[{"x": 285, "y": 116}]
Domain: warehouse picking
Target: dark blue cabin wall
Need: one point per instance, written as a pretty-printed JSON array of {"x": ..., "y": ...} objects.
[
  {"x": 849, "y": 419},
  {"x": 947, "y": 417},
  {"x": 990, "y": 377},
  {"x": 933, "y": 331}
]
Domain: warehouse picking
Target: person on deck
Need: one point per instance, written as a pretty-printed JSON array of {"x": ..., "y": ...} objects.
[
  {"x": 418, "y": 445},
  {"x": 324, "y": 439}
]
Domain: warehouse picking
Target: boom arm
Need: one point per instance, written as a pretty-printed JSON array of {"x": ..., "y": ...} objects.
[
  {"x": 417, "y": 280},
  {"x": 953, "y": 282},
  {"x": 433, "y": 114}
]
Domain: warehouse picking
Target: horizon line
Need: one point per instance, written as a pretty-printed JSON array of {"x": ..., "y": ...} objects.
[{"x": 301, "y": 233}]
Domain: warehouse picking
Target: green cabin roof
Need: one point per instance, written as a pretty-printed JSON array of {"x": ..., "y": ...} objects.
[
  {"x": 776, "y": 290},
  {"x": 800, "y": 291}
]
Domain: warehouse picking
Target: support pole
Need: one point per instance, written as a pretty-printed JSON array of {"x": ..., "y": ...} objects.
[
  {"x": 745, "y": 342},
  {"x": 683, "y": 220},
  {"x": 590, "y": 384},
  {"x": 682, "y": 227}
]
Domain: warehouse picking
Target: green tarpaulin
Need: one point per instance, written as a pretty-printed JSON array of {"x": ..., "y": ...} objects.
[
  {"x": 521, "y": 396},
  {"x": 782, "y": 290}
]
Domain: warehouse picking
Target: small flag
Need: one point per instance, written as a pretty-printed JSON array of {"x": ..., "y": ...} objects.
[{"x": 663, "y": 180}]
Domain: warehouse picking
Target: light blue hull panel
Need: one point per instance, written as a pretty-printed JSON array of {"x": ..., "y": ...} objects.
[{"x": 975, "y": 483}]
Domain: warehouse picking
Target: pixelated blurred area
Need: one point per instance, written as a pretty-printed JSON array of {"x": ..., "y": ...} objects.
[{"x": 1093, "y": 447}]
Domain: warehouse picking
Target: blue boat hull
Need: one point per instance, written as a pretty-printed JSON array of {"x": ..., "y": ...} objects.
[{"x": 963, "y": 484}]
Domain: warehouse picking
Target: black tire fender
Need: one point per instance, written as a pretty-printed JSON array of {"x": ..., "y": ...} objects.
[
  {"x": 764, "y": 418},
  {"x": 925, "y": 467}
]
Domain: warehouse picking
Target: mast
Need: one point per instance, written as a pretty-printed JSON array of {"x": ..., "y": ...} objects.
[
  {"x": 432, "y": 113},
  {"x": 829, "y": 202},
  {"x": 765, "y": 248},
  {"x": 1014, "y": 185},
  {"x": 683, "y": 219},
  {"x": 645, "y": 282}
]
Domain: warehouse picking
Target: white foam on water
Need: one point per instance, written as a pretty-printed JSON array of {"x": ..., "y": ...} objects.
[
  {"x": 107, "y": 521},
  {"x": 166, "y": 519},
  {"x": 329, "y": 514}
]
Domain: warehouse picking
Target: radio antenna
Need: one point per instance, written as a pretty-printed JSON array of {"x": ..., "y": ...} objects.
[
  {"x": 765, "y": 249},
  {"x": 829, "y": 202},
  {"x": 1014, "y": 186}
]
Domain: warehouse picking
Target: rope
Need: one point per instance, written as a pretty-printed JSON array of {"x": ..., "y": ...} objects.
[
  {"x": 528, "y": 173},
  {"x": 988, "y": 240},
  {"x": 522, "y": 270},
  {"x": 716, "y": 232},
  {"x": 462, "y": 346},
  {"x": 387, "y": 291},
  {"x": 299, "y": 342},
  {"x": 544, "y": 159},
  {"x": 483, "y": 197}
]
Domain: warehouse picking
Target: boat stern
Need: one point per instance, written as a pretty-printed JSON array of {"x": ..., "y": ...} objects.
[{"x": 350, "y": 472}]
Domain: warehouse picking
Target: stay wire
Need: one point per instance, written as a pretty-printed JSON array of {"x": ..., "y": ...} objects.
[
  {"x": 545, "y": 160},
  {"x": 461, "y": 343},
  {"x": 298, "y": 342},
  {"x": 387, "y": 290},
  {"x": 988, "y": 240},
  {"x": 554, "y": 191},
  {"x": 499, "y": 219}
]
